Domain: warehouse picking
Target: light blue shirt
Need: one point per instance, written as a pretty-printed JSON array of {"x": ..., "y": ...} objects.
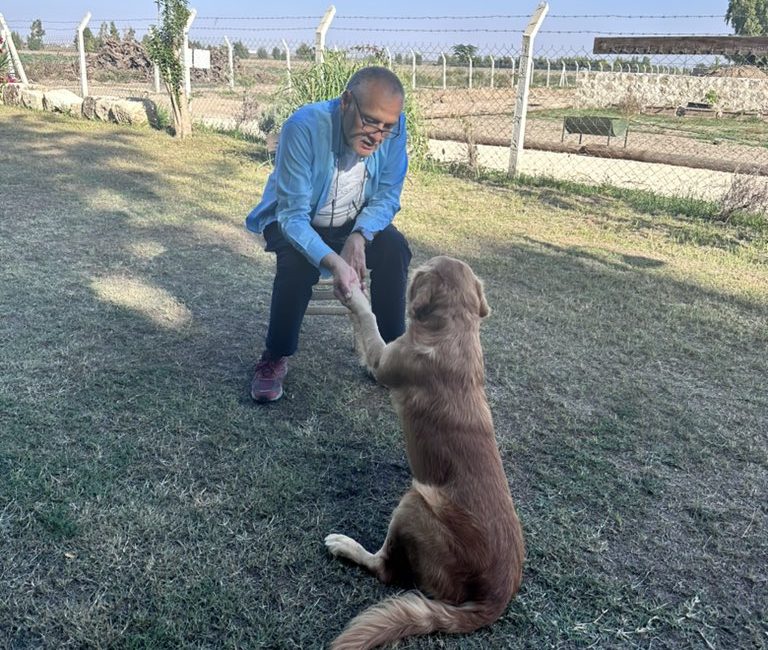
[{"x": 310, "y": 142}]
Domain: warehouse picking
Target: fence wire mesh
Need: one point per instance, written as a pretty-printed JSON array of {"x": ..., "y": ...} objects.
[{"x": 682, "y": 125}]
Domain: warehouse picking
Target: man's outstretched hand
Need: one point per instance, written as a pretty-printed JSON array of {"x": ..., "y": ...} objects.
[
  {"x": 353, "y": 254},
  {"x": 345, "y": 277}
]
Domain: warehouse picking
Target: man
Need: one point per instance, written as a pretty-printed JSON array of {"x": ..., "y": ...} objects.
[{"x": 328, "y": 208}]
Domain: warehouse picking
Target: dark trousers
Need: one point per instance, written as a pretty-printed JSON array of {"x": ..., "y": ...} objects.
[{"x": 387, "y": 258}]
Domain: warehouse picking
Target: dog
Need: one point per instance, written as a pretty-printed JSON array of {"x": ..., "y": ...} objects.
[{"x": 455, "y": 534}]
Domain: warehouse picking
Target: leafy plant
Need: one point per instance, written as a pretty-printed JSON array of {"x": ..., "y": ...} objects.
[
  {"x": 163, "y": 46},
  {"x": 36, "y": 33},
  {"x": 326, "y": 80}
]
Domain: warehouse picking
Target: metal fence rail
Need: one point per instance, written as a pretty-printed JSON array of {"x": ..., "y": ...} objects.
[{"x": 683, "y": 125}]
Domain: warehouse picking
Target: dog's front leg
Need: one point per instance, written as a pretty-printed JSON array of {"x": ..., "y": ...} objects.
[{"x": 369, "y": 341}]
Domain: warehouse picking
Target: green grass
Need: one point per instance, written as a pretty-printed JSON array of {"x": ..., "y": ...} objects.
[{"x": 145, "y": 502}]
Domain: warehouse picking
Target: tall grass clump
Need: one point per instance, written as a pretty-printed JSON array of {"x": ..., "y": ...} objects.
[{"x": 327, "y": 80}]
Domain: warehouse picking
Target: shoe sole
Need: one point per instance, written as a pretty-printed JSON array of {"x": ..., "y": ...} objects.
[{"x": 266, "y": 400}]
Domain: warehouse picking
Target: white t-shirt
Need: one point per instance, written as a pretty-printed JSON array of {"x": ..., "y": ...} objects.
[{"x": 345, "y": 199}]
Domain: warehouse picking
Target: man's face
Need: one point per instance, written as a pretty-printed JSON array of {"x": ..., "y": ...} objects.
[{"x": 369, "y": 116}]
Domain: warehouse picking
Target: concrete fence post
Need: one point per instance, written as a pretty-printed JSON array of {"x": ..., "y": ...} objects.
[
  {"x": 185, "y": 54},
  {"x": 521, "y": 105},
  {"x": 321, "y": 31},
  {"x": 442, "y": 54},
  {"x": 470, "y": 71},
  {"x": 15, "y": 60},
  {"x": 288, "y": 63},
  {"x": 230, "y": 63},
  {"x": 493, "y": 63},
  {"x": 81, "y": 49}
]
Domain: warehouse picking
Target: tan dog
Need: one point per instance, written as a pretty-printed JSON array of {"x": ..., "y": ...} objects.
[{"x": 455, "y": 533}]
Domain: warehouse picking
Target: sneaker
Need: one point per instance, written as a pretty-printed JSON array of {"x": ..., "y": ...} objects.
[{"x": 267, "y": 383}]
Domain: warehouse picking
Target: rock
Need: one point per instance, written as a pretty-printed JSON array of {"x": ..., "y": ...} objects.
[
  {"x": 12, "y": 94},
  {"x": 32, "y": 98},
  {"x": 62, "y": 101},
  {"x": 134, "y": 110},
  {"x": 97, "y": 108}
]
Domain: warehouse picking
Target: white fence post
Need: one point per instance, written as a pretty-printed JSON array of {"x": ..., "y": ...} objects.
[
  {"x": 492, "y": 68},
  {"x": 288, "y": 63},
  {"x": 549, "y": 66},
  {"x": 231, "y": 63},
  {"x": 321, "y": 31},
  {"x": 444, "y": 64},
  {"x": 521, "y": 105},
  {"x": 81, "y": 47},
  {"x": 19, "y": 69},
  {"x": 470, "y": 71},
  {"x": 389, "y": 57},
  {"x": 186, "y": 54},
  {"x": 413, "y": 69}
]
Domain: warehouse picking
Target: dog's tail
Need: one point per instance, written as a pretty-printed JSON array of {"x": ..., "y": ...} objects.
[{"x": 409, "y": 615}]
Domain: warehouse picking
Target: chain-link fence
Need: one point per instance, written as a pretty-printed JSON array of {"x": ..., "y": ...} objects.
[{"x": 689, "y": 125}]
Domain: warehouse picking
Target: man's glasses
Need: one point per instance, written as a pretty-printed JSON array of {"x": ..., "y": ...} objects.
[{"x": 370, "y": 125}]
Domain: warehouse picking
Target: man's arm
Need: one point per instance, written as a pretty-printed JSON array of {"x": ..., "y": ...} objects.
[{"x": 293, "y": 188}]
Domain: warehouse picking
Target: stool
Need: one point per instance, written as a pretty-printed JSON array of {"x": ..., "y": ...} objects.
[{"x": 323, "y": 302}]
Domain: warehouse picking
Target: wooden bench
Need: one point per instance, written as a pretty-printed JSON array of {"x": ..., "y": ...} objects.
[
  {"x": 610, "y": 127},
  {"x": 323, "y": 302}
]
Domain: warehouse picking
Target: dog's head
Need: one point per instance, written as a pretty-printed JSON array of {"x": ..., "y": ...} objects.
[{"x": 443, "y": 288}]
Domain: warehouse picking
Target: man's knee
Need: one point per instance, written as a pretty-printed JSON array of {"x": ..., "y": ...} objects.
[{"x": 390, "y": 248}]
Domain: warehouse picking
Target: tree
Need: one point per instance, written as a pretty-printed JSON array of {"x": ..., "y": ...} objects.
[
  {"x": 277, "y": 54},
  {"x": 464, "y": 52},
  {"x": 36, "y": 33},
  {"x": 103, "y": 33},
  {"x": 90, "y": 42},
  {"x": 18, "y": 41},
  {"x": 305, "y": 51},
  {"x": 239, "y": 50},
  {"x": 164, "y": 47},
  {"x": 261, "y": 53},
  {"x": 748, "y": 17},
  {"x": 114, "y": 33}
]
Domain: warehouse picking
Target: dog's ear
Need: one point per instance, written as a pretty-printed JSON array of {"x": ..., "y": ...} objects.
[
  {"x": 484, "y": 308},
  {"x": 421, "y": 299}
]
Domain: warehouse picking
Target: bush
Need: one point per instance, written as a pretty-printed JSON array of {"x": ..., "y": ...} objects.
[
  {"x": 327, "y": 80},
  {"x": 239, "y": 50}
]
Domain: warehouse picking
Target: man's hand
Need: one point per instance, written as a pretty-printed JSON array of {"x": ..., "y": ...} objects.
[
  {"x": 345, "y": 278},
  {"x": 353, "y": 254}
]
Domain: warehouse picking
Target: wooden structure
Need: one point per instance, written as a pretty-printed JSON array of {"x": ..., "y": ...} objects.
[
  {"x": 323, "y": 302},
  {"x": 723, "y": 45}
]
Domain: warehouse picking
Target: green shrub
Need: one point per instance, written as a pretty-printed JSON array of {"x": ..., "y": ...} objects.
[{"x": 327, "y": 80}]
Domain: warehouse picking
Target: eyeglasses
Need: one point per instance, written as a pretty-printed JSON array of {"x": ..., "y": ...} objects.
[{"x": 369, "y": 124}]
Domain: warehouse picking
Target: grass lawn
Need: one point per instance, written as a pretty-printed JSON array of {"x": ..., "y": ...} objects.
[{"x": 145, "y": 502}]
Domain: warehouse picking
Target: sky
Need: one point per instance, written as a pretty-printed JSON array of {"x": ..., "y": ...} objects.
[{"x": 570, "y": 26}]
